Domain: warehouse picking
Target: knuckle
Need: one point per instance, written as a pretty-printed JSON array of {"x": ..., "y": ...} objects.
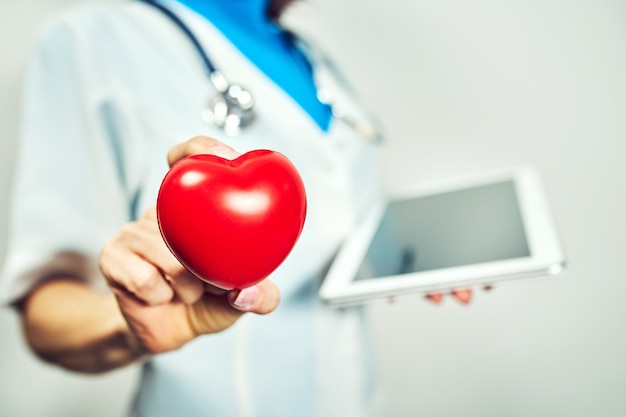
[
  {"x": 127, "y": 232},
  {"x": 105, "y": 254},
  {"x": 108, "y": 257},
  {"x": 127, "y": 228},
  {"x": 144, "y": 280},
  {"x": 149, "y": 215},
  {"x": 172, "y": 268}
]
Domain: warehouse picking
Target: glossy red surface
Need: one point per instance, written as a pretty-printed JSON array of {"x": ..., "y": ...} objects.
[{"x": 232, "y": 223}]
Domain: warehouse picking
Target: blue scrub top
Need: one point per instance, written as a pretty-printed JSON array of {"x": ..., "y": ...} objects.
[{"x": 246, "y": 24}]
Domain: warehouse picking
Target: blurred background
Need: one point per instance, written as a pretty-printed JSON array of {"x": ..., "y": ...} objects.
[{"x": 462, "y": 87}]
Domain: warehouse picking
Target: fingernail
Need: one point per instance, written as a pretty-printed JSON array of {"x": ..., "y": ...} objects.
[
  {"x": 435, "y": 297},
  {"x": 246, "y": 297},
  {"x": 464, "y": 296}
]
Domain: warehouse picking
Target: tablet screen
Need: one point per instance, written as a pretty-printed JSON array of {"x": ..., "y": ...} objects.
[{"x": 469, "y": 226}]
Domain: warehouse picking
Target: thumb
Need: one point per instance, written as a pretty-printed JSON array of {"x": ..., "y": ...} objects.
[
  {"x": 262, "y": 298},
  {"x": 212, "y": 314}
]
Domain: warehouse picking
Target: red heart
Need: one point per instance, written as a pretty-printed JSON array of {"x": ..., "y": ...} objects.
[{"x": 232, "y": 223}]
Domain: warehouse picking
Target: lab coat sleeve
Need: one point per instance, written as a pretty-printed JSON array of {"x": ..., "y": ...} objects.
[{"x": 73, "y": 185}]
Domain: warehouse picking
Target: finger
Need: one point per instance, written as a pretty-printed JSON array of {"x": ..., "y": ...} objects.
[
  {"x": 136, "y": 276},
  {"x": 463, "y": 296},
  {"x": 148, "y": 243},
  {"x": 435, "y": 297},
  {"x": 124, "y": 268},
  {"x": 153, "y": 329},
  {"x": 200, "y": 145},
  {"x": 186, "y": 286},
  {"x": 262, "y": 298}
]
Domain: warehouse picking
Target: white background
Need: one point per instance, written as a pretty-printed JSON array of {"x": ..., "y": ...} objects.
[{"x": 462, "y": 86}]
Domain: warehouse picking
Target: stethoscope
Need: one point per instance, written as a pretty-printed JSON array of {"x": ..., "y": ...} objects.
[{"x": 232, "y": 107}]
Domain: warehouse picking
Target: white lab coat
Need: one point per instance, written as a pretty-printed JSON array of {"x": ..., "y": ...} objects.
[{"x": 109, "y": 90}]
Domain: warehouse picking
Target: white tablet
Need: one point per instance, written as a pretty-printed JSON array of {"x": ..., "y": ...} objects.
[{"x": 464, "y": 232}]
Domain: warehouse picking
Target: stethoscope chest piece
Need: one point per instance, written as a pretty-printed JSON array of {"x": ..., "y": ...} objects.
[{"x": 231, "y": 108}]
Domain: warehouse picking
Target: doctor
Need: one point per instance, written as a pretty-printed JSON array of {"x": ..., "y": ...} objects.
[{"x": 111, "y": 91}]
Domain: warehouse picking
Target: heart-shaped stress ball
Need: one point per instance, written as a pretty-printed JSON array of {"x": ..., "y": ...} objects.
[{"x": 232, "y": 223}]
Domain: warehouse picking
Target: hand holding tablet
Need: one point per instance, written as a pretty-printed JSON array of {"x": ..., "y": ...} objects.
[{"x": 461, "y": 233}]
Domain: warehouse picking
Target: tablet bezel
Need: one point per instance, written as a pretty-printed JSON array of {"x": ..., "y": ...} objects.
[{"x": 546, "y": 254}]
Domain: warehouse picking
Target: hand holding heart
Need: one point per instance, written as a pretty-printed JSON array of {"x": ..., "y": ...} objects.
[
  {"x": 164, "y": 305},
  {"x": 232, "y": 222}
]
